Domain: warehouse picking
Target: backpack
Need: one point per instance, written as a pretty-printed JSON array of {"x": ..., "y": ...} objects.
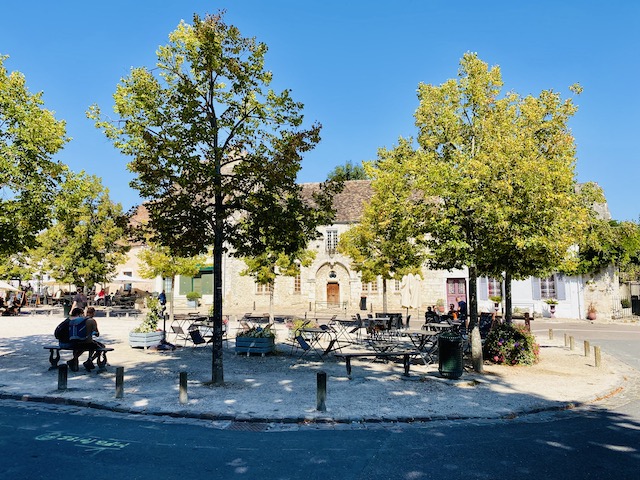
[
  {"x": 62, "y": 331},
  {"x": 78, "y": 329}
]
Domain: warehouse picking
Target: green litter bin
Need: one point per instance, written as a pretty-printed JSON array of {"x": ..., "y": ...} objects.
[
  {"x": 66, "y": 307},
  {"x": 450, "y": 362}
]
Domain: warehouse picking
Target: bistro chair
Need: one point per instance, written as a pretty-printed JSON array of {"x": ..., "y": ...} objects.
[
  {"x": 179, "y": 333},
  {"x": 196, "y": 337},
  {"x": 306, "y": 348}
]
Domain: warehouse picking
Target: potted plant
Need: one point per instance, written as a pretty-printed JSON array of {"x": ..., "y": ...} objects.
[
  {"x": 147, "y": 333},
  {"x": 552, "y": 302},
  {"x": 256, "y": 340},
  {"x": 193, "y": 299},
  {"x": 591, "y": 311},
  {"x": 440, "y": 305},
  {"x": 496, "y": 299}
]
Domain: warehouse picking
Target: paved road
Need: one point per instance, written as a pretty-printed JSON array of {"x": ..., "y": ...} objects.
[{"x": 619, "y": 339}]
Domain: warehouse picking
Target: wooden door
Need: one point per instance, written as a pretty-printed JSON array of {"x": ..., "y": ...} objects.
[
  {"x": 456, "y": 287},
  {"x": 333, "y": 293}
]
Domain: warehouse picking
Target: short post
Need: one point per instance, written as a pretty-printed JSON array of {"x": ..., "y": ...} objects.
[
  {"x": 119, "y": 382},
  {"x": 183, "y": 388},
  {"x": 571, "y": 343},
  {"x": 62, "y": 377},
  {"x": 587, "y": 348},
  {"x": 321, "y": 394},
  {"x": 597, "y": 356},
  {"x": 566, "y": 340},
  {"x": 551, "y": 334}
]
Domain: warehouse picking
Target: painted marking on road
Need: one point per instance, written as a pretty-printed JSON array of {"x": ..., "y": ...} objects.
[{"x": 92, "y": 445}]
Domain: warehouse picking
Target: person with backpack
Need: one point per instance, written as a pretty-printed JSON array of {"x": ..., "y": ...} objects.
[{"x": 82, "y": 329}]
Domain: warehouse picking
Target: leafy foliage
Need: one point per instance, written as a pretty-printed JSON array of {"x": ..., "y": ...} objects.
[
  {"x": 29, "y": 137},
  {"x": 215, "y": 151},
  {"x": 88, "y": 238},
  {"x": 387, "y": 242},
  {"x": 152, "y": 317},
  {"x": 512, "y": 345},
  {"x": 348, "y": 171},
  {"x": 258, "y": 332}
]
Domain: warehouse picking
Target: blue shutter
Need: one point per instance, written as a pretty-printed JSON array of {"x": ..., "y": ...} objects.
[
  {"x": 535, "y": 286},
  {"x": 560, "y": 287},
  {"x": 483, "y": 289}
]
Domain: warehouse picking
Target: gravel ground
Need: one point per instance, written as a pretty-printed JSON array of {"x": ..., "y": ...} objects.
[{"x": 279, "y": 387}]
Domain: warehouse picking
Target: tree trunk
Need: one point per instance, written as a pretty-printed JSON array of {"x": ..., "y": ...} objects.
[
  {"x": 384, "y": 295},
  {"x": 173, "y": 287},
  {"x": 217, "y": 369},
  {"x": 507, "y": 298},
  {"x": 476, "y": 343}
]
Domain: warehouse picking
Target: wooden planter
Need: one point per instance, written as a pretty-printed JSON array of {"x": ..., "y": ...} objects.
[
  {"x": 251, "y": 345},
  {"x": 145, "y": 340}
]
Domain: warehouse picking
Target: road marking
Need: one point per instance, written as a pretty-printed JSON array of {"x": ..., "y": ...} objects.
[{"x": 92, "y": 445}]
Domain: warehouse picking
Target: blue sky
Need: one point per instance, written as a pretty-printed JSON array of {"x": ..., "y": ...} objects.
[{"x": 354, "y": 64}]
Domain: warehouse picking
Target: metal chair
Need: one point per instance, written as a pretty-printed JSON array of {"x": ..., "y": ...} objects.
[{"x": 197, "y": 338}]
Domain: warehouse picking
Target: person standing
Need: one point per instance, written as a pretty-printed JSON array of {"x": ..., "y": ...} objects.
[{"x": 79, "y": 300}]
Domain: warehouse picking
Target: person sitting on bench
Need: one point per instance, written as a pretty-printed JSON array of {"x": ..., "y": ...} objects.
[{"x": 81, "y": 332}]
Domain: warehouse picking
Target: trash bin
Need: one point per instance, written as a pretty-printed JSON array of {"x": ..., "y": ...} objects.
[
  {"x": 450, "y": 363},
  {"x": 635, "y": 305},
  {"x": 66, "y": 307}
]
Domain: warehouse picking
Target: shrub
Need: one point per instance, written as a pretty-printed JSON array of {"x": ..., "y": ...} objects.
[
  {"x": 150, "y": 322},
  {"x": 626, "y": 303},
  {"x": 258, "y": 332},
  {"x": 512, "y": 345},
  {"x": 194, "y": 296}
]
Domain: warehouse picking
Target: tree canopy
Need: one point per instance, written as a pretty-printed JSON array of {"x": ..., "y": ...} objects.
[
  {"x": 215, "y": 151},
  {"x": 88, "y": 238},
  {"x": 30, "y": 136},
  {"x": 349, "y": 171},
  {"x": 384, "y": 243}
]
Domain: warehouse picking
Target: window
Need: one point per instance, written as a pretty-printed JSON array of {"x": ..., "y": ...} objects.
[
  {"x": 373, "y": 287},
  {"x": 297, "y": 283},
  {"x": 548, "y": 287},
  {"x": 495, "y": 287},
  {"x": 396, "y": 285},
  {"x": 263, "y": 289},
  {"x": 331, "y": 241}
]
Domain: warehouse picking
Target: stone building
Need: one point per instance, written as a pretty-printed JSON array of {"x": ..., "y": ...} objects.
[{"x": 330, "y": 286}]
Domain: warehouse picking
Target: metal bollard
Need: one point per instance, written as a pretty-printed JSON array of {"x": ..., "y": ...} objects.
[
  {"x": 597, "y": 355},
  {"x": 62, "y": 376},
  {"x": 566, "y": 340},
  {"x": 551, "y": 334},
  {"x": 183, "y": 388},
  {"x": 321, "y": 394},
  {"x": 571, "y": 343},
  {"x": 587, "y": 348},
  {"x": 119, "y": 382}
]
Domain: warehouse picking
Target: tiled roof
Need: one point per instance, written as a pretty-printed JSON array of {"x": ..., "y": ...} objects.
[{"x": 349, "y": 203}]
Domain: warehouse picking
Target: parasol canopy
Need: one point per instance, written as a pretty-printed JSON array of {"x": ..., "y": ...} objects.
[{"x": 8, "y": 286}]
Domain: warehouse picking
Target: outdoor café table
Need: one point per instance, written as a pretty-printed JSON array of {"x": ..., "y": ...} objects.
[
  {"x": 347, "y": 330},
  {"x": 315, "y": 336},
  {"x": 425, "y": 342},
  {"x": 377, "y": 327}
]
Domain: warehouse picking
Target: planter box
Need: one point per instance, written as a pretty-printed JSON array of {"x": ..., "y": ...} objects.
[
  {"x": 192, "y": 303},
  {"x": 251, "y": 345},
  {"x": 145, "y": 340}
]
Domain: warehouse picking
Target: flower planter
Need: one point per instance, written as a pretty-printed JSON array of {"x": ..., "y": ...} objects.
[
  {"x": 251, "y": 345},
  {"x": 192, "y": 303},
  {"x": 145, "y": 340}
]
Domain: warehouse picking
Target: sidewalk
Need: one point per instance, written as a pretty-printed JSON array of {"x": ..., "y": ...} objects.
[{"x": 276, "y": 388}]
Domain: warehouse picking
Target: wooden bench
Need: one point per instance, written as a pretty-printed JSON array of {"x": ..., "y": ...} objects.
[
  {"x": 405, "y": 354},
  {"x": 54, "y": 355}
]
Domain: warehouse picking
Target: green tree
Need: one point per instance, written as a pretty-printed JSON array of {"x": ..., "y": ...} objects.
[
  {"x": 385, "y": 243},
  {"x": 88, "y": 238},
  {"x": 348, "y": 171},
  {"x": 29, "y": 137},
  {"x": 157, "y": 261},
  {"x": 266, "y": 267},
  {"x": 216, "y": 152}
]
